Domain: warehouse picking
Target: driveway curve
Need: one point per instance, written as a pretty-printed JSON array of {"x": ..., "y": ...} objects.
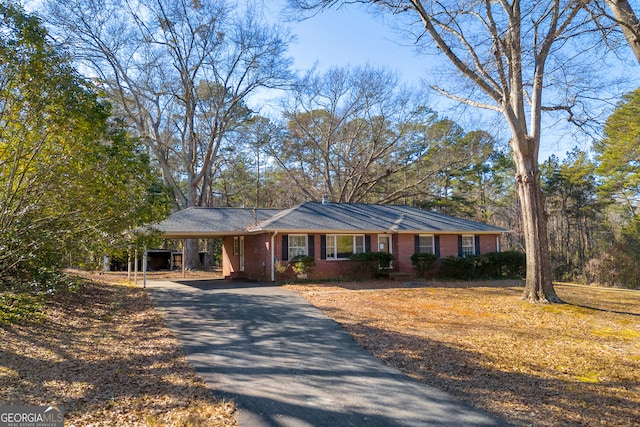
[{"x": 284, "y": 363}]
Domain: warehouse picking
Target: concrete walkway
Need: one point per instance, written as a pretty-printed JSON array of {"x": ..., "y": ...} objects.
[{"x": 284, "y": 363}]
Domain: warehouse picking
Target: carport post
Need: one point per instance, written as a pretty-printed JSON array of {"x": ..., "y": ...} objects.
[
  {"x": 144, "y": 269},
  {"x": 129, "y": 265},
  {"x": 184, "y": 256}
]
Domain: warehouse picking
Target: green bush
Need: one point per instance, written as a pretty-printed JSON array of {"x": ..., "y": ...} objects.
[
  {"x": 508, "y": 265},
  {"x": 497, "y": 265},
  {"x": 20, "y": 308},
  {"x": 302, "y": 265},
  {"x": 371, "y": 264},
  {"x": 423, "y": 263},
  {"x": 456, "y": 268},
  {"x": 39, "y": 281}
]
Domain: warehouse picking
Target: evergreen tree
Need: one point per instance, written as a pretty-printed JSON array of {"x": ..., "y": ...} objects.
[{"x": 71, "y": 181}]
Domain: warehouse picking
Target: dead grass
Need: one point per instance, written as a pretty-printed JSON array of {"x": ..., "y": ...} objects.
[
  {"x": 543, "y": 365},
  {"x": 106, "y": 355}
]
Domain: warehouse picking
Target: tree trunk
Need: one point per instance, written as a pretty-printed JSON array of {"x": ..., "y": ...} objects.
[
  {"x": 628, "y": 22},
  {"x": 538, "y": 286},
  {"x": 193, "y": 255}
]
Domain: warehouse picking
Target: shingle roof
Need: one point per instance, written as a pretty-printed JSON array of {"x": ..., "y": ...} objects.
[
  {"x": 315, "y": 217},
  {"x": 211, "y": 222}
]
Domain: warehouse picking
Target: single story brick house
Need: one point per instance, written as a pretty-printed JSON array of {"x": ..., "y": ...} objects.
[{"x": 255, "y": 241}]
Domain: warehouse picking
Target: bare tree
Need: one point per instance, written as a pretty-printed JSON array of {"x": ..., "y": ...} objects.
[
  {"x": 357, "y": 135},
  {"x": 509, "y": 54},
  {"x": 180, "y": 71}
]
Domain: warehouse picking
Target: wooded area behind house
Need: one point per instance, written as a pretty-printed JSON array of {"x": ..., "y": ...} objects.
[{"x": 161, "y": 120}]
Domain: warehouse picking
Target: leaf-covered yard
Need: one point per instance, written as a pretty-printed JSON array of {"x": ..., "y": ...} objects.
[
  {"x": 543, "y": 365},
  {"x": 104, "y": 354}
]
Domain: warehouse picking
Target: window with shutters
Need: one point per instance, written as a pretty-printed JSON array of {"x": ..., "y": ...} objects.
[
  {"x": 426, "y": 244},
  {"x": 468, "y": 245},
  {"x": 297, "y": 245}
]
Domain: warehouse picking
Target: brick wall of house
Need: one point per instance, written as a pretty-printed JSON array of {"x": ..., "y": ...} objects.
[
  {"x": 403, "y": 248},
  {"x": 448, "y": 245},
  {"x": 331, "y": 269},
  {"x": 323, "y": 269},
  {"x": 230, "y": 261},
  {"x": 488, "y": 244},
  {"x": 258, "y": 256}
]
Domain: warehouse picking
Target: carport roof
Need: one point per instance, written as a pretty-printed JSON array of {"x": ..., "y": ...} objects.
[
  {"x": 211, "y": 222},
  {"x": 316, "y": 217}
]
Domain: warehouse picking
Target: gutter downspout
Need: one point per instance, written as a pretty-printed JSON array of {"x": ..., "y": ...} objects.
[{"x": 273, "y": 256}]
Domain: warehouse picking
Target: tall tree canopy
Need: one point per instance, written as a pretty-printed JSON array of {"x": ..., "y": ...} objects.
[
  {"x": 618, "y": 153},
  {"x": 625, "y": 17},
  {"x": 357, "y": 135},
  {"x": 574, "y": 209},
  {"x": 180, "y": 71},
  {"x": 70, "y": 178},
  {"x": 618, "y": 167}
]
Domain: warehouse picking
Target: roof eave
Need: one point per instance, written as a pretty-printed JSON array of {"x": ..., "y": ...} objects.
[
  {"x": 198, "y": 235},
  {"x": 371, "y": 231}
]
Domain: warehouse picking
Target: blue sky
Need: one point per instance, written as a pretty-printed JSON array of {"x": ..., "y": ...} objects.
[{"x": 351, "y": 36}]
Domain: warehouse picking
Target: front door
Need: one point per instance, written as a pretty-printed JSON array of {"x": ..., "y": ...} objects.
[{"x": 384, "y": 245}]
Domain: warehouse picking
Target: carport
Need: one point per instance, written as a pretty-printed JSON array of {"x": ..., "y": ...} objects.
[{"x": 211, "y": 223}]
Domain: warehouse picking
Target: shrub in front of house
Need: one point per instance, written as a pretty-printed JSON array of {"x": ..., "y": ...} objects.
[
  {"x": 458, "y": 268},
  {"x": 507, "y": 265},
  {"x": 302, "y": 265},
  {"x": 484, "y": 267},
  {"x": 423, "y": 263},
  {"x": 497, "y": 265},
  {"x": 371, "y": 265}
]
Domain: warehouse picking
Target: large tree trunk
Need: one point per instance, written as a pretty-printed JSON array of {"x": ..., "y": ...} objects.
[
  {"x": 193, "y": 255},
  {"x": 192, "y": 245},
  {"x": 628, "y": 22},
  {"x": 538, "y": 286}
]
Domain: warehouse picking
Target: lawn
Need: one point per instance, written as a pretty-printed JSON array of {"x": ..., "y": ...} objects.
[
  {"x": 104, "y": 354},
  {"x": 543, "y": 365}
]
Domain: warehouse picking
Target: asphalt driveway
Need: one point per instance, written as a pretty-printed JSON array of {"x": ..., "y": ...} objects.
[{"x": 284, "y": 363}]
